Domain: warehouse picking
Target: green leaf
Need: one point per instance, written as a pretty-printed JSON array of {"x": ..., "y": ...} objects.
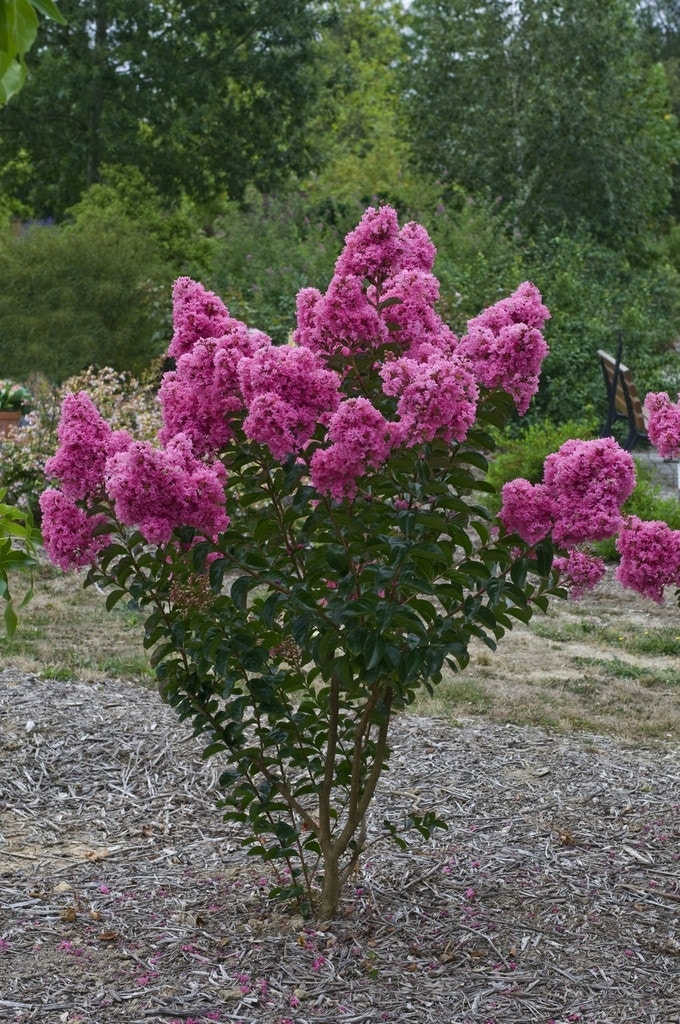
[
  {"x": 11, "y": 620},
  {"x": 240, "y": 589},
  {"x": 50, "y": 10},
  {"x": 374, "y": 650},
  {"x": 269, "y": 609},
  {"x": 113, "y": 598}
]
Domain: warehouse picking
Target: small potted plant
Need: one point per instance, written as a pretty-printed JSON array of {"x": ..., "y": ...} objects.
[{"x": 14, "y": 402}]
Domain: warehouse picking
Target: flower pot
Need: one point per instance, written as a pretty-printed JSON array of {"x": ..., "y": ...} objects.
[{"x": 9, "y": 419}]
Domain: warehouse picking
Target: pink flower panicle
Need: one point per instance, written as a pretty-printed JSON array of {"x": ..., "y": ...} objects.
[
  {"x": 342, "y": 321},
  {"x": 372, "y": 248},
  {"x": 287, "y": 391},
  {"x": 435, "y": 399},
  {"x": 158, "y": 489},
  {"x": 417, "y": 328},
  {"x": 579, "y": 572},
  {"x": 197, "y": 314},
  {"x": 524, "y": 306},
  {"x": 650, "y": 557},
  {"x": 663, "y": 426},
  {"x": 348, "y": 319},
  {"x": 589, "y": 482},
  {"x": 527, "y": 510},
  {"x": 201, "y": 396},
  {"x": 510, "y": 359},
  {"x": 68, "y": 531},
  {"x": 416, "y": 249},
  {"x": 85, "y": 442},
  {"x": 505, "y": 345},
  {"x": 361, "y": 439},
  {"x": 585, "y": 483}
]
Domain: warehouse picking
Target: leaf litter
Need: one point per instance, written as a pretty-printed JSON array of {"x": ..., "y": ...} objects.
[{"x": 554, "y": 896}]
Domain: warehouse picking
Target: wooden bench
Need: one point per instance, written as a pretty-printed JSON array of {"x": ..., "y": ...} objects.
[{"x": 623, "y": 401}]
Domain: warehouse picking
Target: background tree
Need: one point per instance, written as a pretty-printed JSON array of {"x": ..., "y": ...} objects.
[
  {"x": 552, "y": 106},
  {"x": 364, "y": 152},
  {"x": 201, "y": 96}
]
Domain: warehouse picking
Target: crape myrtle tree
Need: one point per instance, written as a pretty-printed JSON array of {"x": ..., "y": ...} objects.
[
  {"x": 307, "y": 538},
  {"x": 555, "y": 107},
  {"x": 200, "y": 95}
]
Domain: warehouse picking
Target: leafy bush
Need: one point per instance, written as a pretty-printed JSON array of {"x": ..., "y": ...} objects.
[
  {"x": 597, "y": 297},
  {"x": 18, "y": 542},
  {"x": 125, "y": 194},
  {"x": 307, "y": 546},
  {"x": 78, "y": 295},
  {"x": 477, "y": 262},
  {"x": 266, "y": 251}
]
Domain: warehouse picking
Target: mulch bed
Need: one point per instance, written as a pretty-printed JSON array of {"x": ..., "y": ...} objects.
[{"x": 553, "y": 896}]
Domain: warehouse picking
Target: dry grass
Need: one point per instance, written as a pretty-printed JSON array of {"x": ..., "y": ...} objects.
[
  {"x": 66, "y": 633},
  {"x": 607, "y": 665}
]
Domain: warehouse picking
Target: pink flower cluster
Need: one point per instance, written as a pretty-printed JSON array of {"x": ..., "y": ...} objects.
[
  {"x": 85, "y": 442},
  {"x": 650, "y": 557},
  {"x": 152, "y": 489},
  {"x": 361, "y": 440},
  {"x": 505, "y": 344},
  {"x": 384, "y": 294},
  {"x": 227, "y": 377},
  {"x": 584, "y": 485},
  {"x": 342, "y": 321},
  {"x": 415, "y": 325},
  {"x": 158, "y": 489},
  {"x": 580, "y": 571},
  {"x": 201, "y": 396},
  {"x": 436, "y": 398},
  {"x": 663, "y": 426},
  {"x": 376, "y": 247},
  {"x": 197, "y": 314},
  {"x": 382, "y": 290},
  {"x": 68, "y": 531},
  {"x": 287, "y": 391}
]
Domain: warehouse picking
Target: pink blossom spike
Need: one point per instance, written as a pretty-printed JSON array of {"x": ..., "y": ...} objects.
[
  {"x": 197, "y": 314},
  {"x": 663, "y": 426}
]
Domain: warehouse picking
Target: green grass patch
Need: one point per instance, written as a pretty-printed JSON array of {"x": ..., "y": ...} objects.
[
  {"x": 463, "y": 694},
  {"x": 645, "y": 676},
  {"x": 664, "y": 641}
]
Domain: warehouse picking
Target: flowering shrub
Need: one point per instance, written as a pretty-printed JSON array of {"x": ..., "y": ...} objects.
[
  {"x": 13, "y": 397},
  {"x": 314, "y": 551}
]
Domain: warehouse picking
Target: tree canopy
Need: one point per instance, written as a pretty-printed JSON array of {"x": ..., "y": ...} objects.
[
  {"x": 199, "y": 95},
  {"x": 554, "y": 107}
]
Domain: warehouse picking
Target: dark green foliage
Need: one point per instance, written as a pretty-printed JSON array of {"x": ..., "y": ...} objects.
[
  {"x": 265, "y": 251},
  {"x": 202, "y": 96},
  {"x": 477, "y": 262},
  {"x": 123, "y": 194},
  {"x": 95, "y": 290},
  {"x": 78, "y": 295},
  {"x": 598, "y": 296}
]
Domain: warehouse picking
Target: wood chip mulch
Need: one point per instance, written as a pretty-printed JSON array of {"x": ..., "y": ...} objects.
[{"x": 554, "y": 896}]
